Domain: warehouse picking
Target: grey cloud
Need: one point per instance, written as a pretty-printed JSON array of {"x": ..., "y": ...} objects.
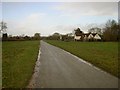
[{"x": 89, "y": 8}]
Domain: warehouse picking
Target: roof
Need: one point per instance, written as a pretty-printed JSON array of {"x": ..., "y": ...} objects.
[{"x": 79, "y": 33}]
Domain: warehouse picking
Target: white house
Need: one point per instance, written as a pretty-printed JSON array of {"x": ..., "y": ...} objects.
[
  {"x": 81, "y": 36},
  {"x": 77, "y": 37},
  {"x": 94, "y": 36},
  {"x": 90, "y": 36},
  {"x": 60, "y": 37},
  {"x": 97, "y": 37}
]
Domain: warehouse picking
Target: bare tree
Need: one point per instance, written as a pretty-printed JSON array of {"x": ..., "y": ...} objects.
[
  {"x": 3, "y": 27},
  {"x": 95, "y": 30}
]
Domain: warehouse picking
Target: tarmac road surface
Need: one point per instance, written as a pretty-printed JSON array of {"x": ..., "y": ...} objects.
[{"x": 60, "y": 69}]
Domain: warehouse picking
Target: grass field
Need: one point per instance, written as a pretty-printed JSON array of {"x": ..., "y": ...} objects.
[
  {"x": 0, "y": 64},
  {"x": 101, "y": 54},
  {"x": 18, "y": 60}
]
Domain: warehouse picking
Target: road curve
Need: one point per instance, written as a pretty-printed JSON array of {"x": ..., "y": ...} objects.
[{"x": 59, "y": 69}]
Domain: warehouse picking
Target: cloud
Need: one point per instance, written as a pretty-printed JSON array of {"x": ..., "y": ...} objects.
[
  {"x": 32, "y": 21},
  {"x": 88, "y": 8},
  {"x": 29, "y": 25},
  {"x": 63, "y": 29},
  {"x": 60, "y": 17},
  {"x": 36, "y": 22}
]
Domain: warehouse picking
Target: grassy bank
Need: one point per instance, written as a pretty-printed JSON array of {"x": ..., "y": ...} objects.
[
  {"x": 18, "y": 60},
  {"x": 102, "y": 54}
]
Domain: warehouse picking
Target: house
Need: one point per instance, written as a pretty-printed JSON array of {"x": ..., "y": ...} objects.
[
  {"x": 92, "y": 37},
  {"x": 80, "y": 36},
  {"x": 77, "y": 38},
  {"x": 97, "y": 37},
  {"x": 86, "y": 36}
]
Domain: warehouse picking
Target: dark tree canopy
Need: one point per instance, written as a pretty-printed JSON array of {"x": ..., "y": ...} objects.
[
  {"x": 78, "y": 31},
  {"x": 111, "y": 31},
  {"x": 56, "y": 34},
  {"x": 37, "y": 36}
]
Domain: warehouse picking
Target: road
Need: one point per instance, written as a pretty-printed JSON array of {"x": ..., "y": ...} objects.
[{"x": 60, "y": 69}]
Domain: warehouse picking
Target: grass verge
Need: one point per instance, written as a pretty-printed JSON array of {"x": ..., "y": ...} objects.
[
  {"x": 18, "y": 60},
  {"x": 101, "y": 54}
]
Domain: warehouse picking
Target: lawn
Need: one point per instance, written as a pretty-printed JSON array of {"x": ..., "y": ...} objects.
[
  {"x": 18, "y": 61},
  {"x": 101, "y": 54}
]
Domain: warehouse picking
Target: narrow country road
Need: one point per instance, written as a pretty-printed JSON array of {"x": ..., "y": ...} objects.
[{"x": 59, "y": 69}]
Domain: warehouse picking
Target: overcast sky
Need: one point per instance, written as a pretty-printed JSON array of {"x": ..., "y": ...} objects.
[{"x": 49, "y": 17}]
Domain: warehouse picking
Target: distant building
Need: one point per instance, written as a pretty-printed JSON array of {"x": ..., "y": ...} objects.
[
  {"x": 80, "y": 36},
  {"x": 97, "y": 37}
]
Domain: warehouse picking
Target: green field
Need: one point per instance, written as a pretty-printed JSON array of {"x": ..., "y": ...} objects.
[
  {"x": 18, "y": 60},
  {"x": 0, "y": 64},
  {"x": 101, "y": 54}
]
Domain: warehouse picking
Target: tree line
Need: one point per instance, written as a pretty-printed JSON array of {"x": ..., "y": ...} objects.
[
  {"x": 111, "y": 32},
  {"x": 5, "y": 37}
]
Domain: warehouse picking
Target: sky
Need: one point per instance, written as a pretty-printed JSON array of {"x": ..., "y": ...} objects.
[{"x": 49, "y": 17}]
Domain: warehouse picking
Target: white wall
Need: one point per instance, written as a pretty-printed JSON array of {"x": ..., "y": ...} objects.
[
  {"x": 77, "y": 37},
  {"x": 97, "y": 36}
]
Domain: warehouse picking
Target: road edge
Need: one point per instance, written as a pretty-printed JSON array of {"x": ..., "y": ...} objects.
[
  {"x": 36, "y": 70},
  {"x": 84, "y": 61}
]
